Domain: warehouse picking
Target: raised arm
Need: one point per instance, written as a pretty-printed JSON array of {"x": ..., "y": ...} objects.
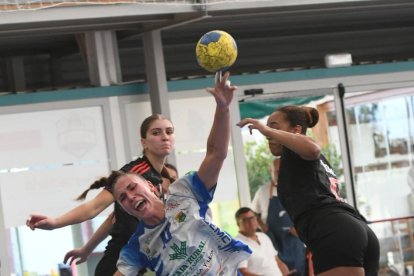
[
  {"x": 303, "y": 145},
  {"x": 79, "y": 214},
  {"x": 218, "y": 140},
  {"x": 81, "y": 254}
]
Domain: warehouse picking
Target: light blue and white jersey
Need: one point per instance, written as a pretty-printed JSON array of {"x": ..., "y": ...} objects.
[{"x": 186, "y": 242}]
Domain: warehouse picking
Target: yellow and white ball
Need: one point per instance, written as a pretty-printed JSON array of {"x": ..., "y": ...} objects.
[{"x": 216, "y": 51}]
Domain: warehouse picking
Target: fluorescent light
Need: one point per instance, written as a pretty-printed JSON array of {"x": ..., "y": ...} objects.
[{"x": 338, "y": 60}]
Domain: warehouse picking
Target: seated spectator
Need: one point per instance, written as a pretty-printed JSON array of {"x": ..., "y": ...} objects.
[{"x": 261, "y": 261}]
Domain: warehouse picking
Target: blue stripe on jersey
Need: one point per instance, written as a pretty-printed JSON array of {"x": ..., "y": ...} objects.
[{"x": 204, "y": 196}]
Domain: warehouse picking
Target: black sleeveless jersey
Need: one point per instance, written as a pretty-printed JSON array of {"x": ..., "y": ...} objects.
[{"x": 308, "y": 185}]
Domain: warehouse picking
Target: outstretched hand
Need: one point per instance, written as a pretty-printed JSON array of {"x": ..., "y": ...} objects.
[
  {"x": 78, "y": 254},
  {"x": 253, "y": 124},
  {"x": 40, "y": 221},
  {"x": 223, "y": 91}
]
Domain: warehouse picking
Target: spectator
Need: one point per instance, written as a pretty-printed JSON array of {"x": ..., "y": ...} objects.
[
  {"x": 278, "y": 225},
  {"x": 261, "y": 261}
]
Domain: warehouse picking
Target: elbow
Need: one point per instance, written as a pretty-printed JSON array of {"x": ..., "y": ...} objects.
[
  {"x": 316, "y": 152},
  {"x": 313, "y": 152},
  {"x": 217, "y": 152},
  {"x": 221, "y": 155},
  {"x": 217, "y": 156}
]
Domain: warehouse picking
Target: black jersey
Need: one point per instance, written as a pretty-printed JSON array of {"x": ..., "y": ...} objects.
[
  {"x": 305, "y": 185},
  {"x": 125, "y": 224}
]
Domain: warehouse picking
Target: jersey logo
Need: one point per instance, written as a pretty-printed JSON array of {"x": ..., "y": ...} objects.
[
  {"x": 327, "y": 168},
  {"x": 180, "y": 252},
  {"x": 334, "y": 187},
  {"x": 141, "y": 168},
  {"x": 180, "y": 217}
]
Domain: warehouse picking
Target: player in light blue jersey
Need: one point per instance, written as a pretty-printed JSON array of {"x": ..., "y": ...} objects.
[{"x": 177, "y": 237}]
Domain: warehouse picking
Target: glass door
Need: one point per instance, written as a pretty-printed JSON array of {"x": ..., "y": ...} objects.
[
  {"x": 379, "y": 131},
  {"x": 380, "y": 135}
]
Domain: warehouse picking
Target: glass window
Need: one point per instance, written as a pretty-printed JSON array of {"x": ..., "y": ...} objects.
[
  {"x": 46, "y": 162},
  {"x": 380, "y": 132}
]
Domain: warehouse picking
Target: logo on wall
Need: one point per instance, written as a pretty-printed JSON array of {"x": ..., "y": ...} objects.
[{"x": 76, "y": 134}]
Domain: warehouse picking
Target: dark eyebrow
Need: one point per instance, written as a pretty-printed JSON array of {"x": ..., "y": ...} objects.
[
  {"x": 123, "y": 193},
  {"x": 272, "y": 123},
  {"x": 130, "y": 184},
  {"x": 120, "y": 196}
]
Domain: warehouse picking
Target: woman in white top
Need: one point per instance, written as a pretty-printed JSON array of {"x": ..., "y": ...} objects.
[{"x": 261, "y": 261}]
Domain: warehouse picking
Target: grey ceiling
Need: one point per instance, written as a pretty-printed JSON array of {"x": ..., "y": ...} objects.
[{"x": 268, "y": 38}]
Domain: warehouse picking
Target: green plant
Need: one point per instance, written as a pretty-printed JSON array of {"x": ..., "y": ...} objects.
[
  {"x": 334, "y": 158},
  {"x": 258, "y": 159}
]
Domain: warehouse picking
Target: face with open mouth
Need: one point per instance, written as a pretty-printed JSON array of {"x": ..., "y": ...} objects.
[{"x": 137, "y": 196}]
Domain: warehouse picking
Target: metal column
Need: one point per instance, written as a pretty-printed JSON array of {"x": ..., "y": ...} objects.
[
  {"x": 339, "y": 94},
  {"x": 101, "y": 50},
  {"x": 156, "y": 76}
]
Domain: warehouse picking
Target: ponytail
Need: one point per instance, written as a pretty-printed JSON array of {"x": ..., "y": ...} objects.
[
  {"x": 102, "y": 182},
  {"x": 107, "y": 182},
  {"x": 312, "y": 116},
  {"x": 304, "y": 116}
]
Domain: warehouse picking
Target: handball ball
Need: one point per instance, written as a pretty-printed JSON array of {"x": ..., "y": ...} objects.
[{"x": 216, "y": 51}]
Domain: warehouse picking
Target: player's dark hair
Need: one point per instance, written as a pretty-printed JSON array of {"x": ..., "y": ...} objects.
[
  {"x": 171, "y": 167},
  {"x": 242, "y": 211},
  {"x": 102, "y": 182},
  {"x": 165, "y": 173},
  {"x": 304, "y": 116},
  {"x": 148, "y": 121}
]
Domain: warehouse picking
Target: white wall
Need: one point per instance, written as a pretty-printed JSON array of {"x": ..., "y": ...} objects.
[
  {"x": 47, "y": 158},
  {"x": 59, "y": 150}
]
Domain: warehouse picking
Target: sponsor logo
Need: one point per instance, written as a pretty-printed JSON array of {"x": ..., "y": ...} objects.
[
  {"x": 180, "y": 217},
  {"x": 172, "y": 204},
  {"x": 180, "y": 252},
  {"x": 76, "y": 134},
  {"x": 192, "y": 262},
  {"x": 223, "y": 238},
  {"x": 327, "y": 168}
]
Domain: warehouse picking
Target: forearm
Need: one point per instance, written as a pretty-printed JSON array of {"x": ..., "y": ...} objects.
[
  {"x": 219, "y": 138},
  {"x": 282, "y": 266},
  {"x": 74, "y": 216},
  {"x": 85, "y": 211},
  {"x": 217, "y": 145},
  {"x": 303, "y": 145}
]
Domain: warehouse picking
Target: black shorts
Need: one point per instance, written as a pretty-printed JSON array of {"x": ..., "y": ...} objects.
[
  {"x": 340, "y": 239},
  {"x": 107, "y": 265}
]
